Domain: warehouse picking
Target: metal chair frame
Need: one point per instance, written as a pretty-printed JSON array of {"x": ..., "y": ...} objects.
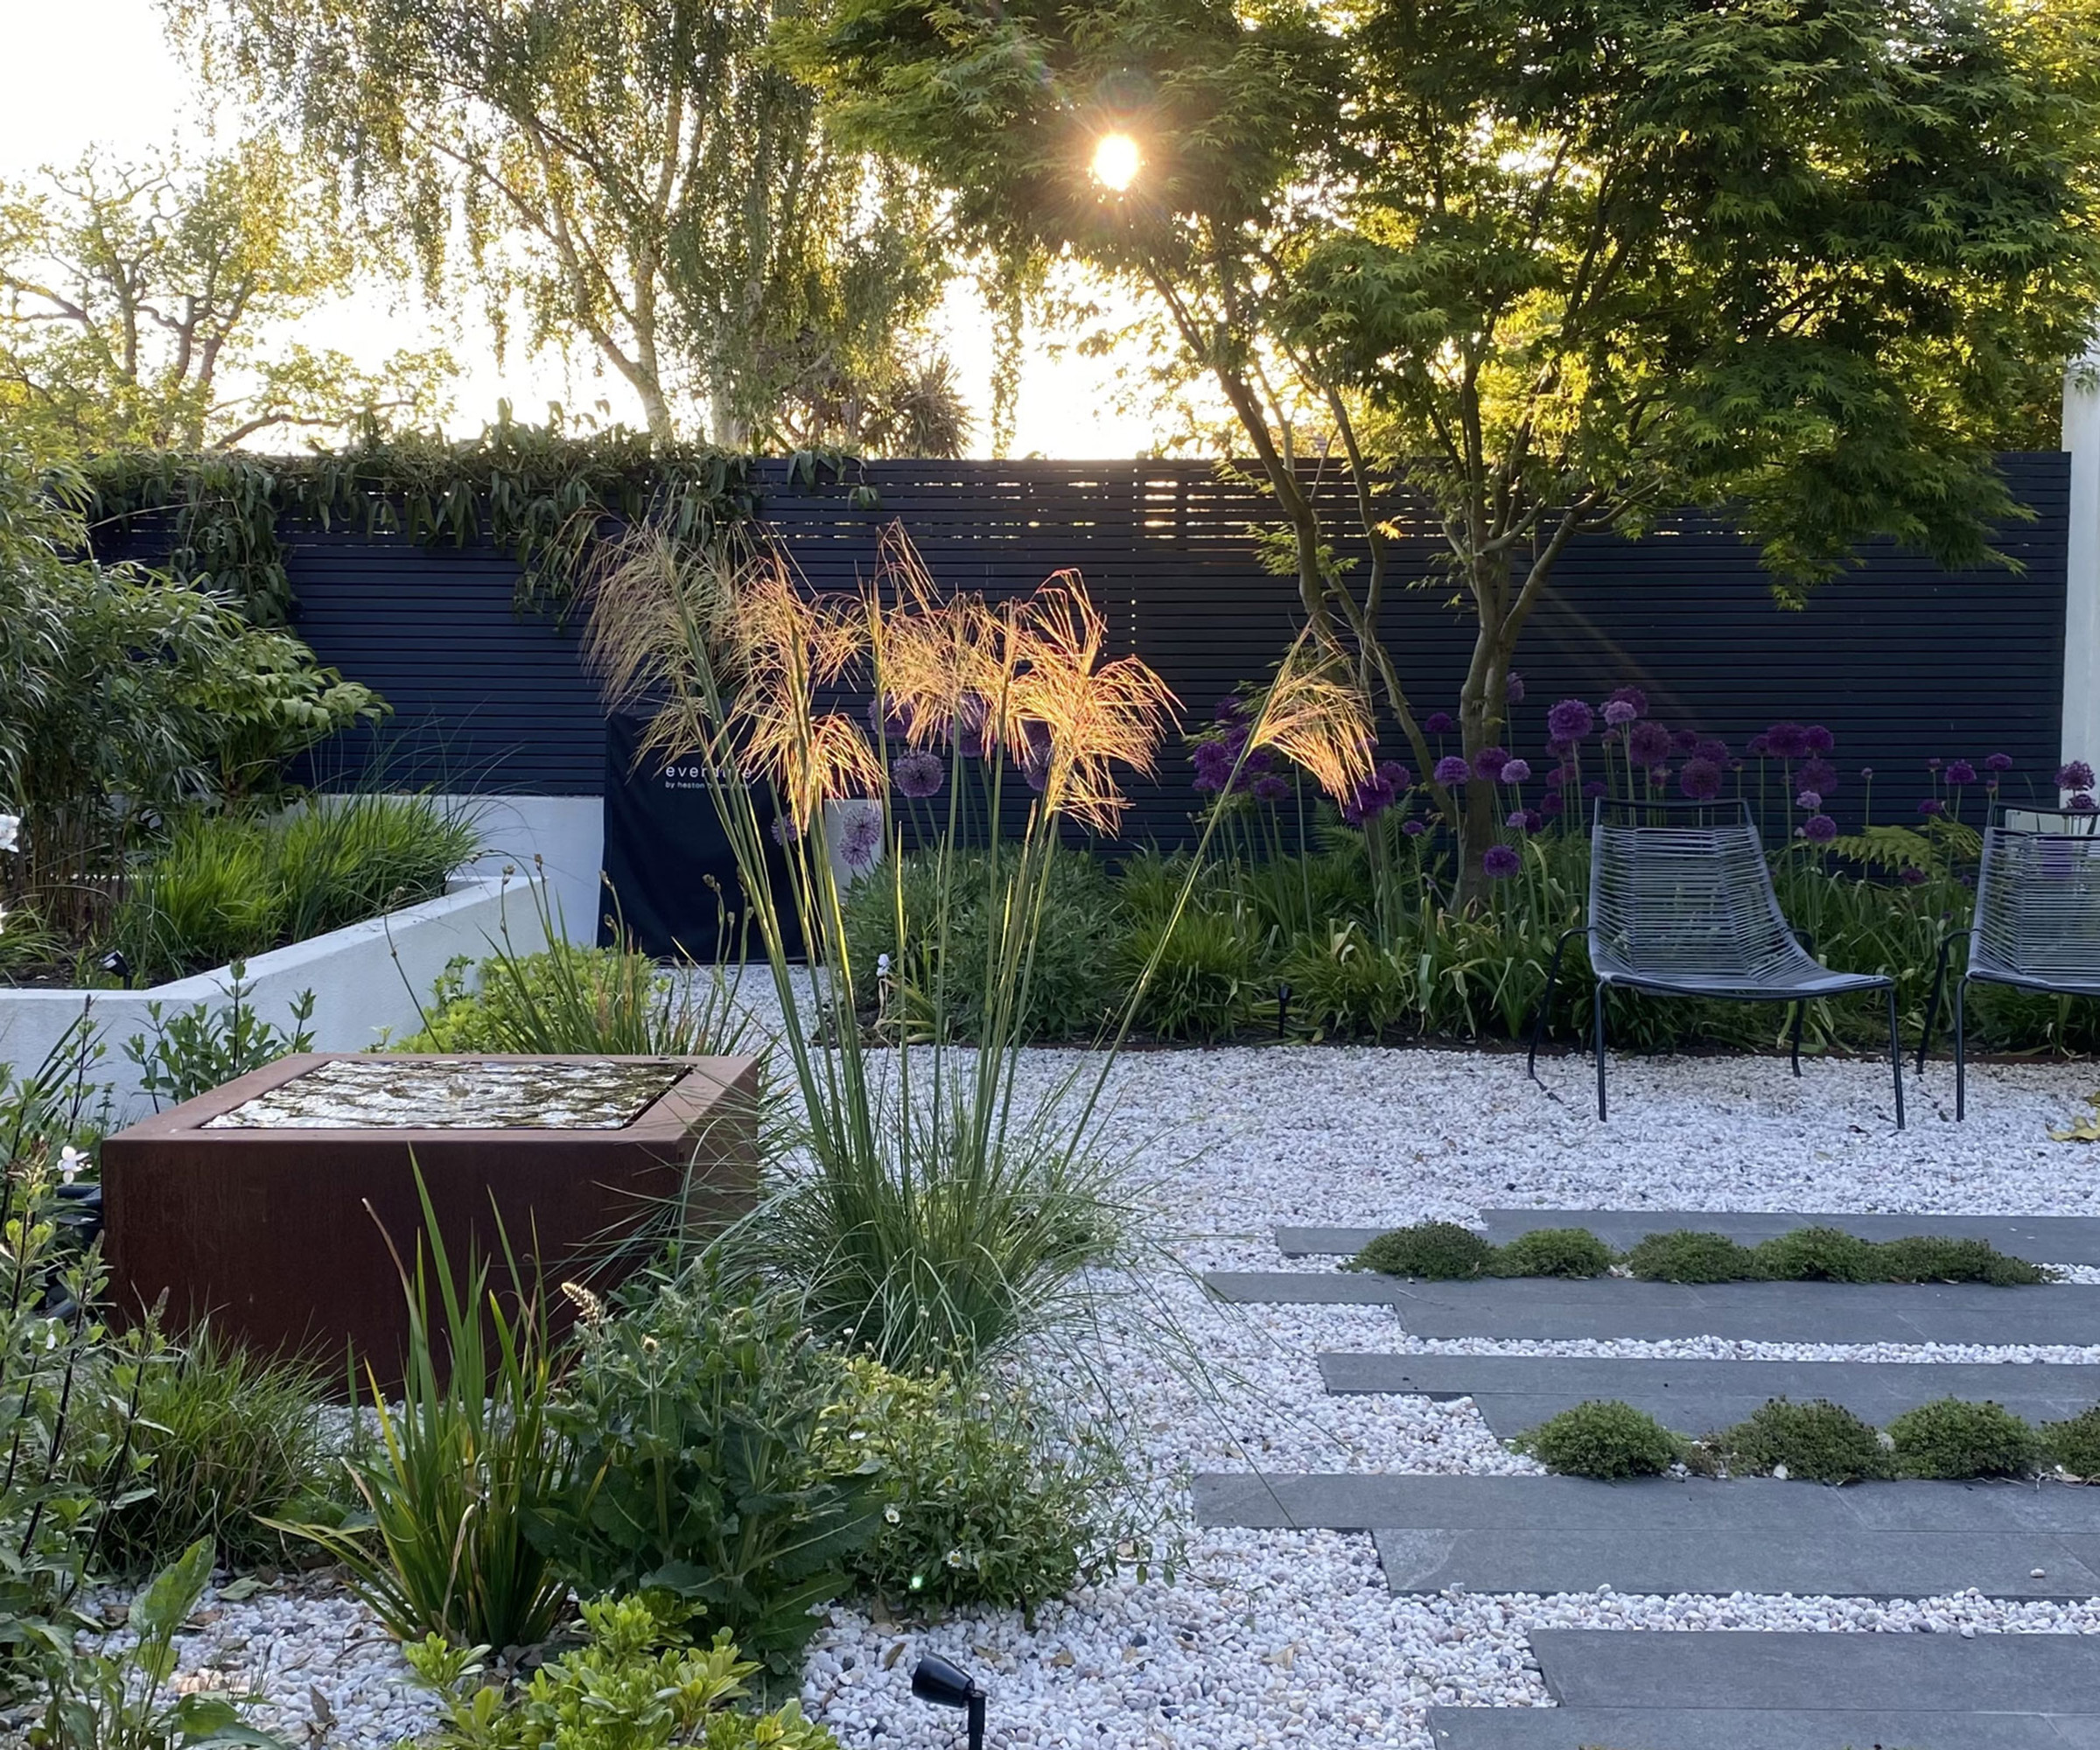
[
  {"x": 1717, "y": 932},
  {"x": 2035, "y": 925}
]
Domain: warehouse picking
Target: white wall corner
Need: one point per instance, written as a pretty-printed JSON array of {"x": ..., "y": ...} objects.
[{"x": 2082, "y": 593}]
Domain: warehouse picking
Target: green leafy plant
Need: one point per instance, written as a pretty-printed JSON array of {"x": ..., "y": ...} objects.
[
  {"x": 1954, "y": 1439},
  {"x": 693, "y": 1414},
  {"x": 195, "y": 1050},
  {"x": 1685, "y": 1255},
  {"x": 1555, "y": 1251},
  {"x": 1814, "y": 1442},
  {"x": 102, "y": 1701},
  {"x": 633, "y": 1684},
  {"x": 1436, "y": 1251},
  {"x": 2075, "y": 1443},
  {"x": 1343, "y": 982},
  {"x": 1605, "y": 1438},
  {"x": 468, "y": 1469},
  {"x": 1202, "y": 974},
  {"x": 1816, "y": 1254}
]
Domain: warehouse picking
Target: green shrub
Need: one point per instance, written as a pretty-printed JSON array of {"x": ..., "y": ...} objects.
[
  {"x": 990, "y": 1500},
  {"x": 197, "y": 1049},
  {"x": 1926, "y": 1257},
  {"x": 1816, "y": 1255},
  {"x": 1816, "y": 1442},
  {"x": 1686, "y": 1255},
  {"x": 1948, "y": 1437},
  {"x": 347, "y": 857},
  {"x": 1555, "y": 1251},
  {"x": 2076, "y": 1444},
  {"x": 1436, "y": 1251},
  {"x": 695, "y": 1413},
  {"x": 633, "y": 1684},
  {"x": 223, "y": 1436},
  {"x": 1603, "y": 1438},
  {"x": 1203, "y": 981},
  {"x": 1343, "y": 983}
]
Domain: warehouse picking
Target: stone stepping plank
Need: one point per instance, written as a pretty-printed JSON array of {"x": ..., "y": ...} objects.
[
  {"x": 1506, "y": 1309},
  {"x": 2039, "y": 1239},
  {"x": 1730, "y": 1689},
  {"x": 1569, "y": 1534},
  {"x": 1515, "y": 1393}
]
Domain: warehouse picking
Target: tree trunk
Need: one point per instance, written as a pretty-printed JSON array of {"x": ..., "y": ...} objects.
[{"x": 1482, "y": 711}]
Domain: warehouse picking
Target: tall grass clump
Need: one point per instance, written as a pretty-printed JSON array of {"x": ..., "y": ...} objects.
[{"x": 949, "y": 1208}]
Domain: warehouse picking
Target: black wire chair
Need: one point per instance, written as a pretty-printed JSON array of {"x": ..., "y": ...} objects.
[
  {"x": 2036, "y": 924},
  {"x": 1682, "y": 904}
]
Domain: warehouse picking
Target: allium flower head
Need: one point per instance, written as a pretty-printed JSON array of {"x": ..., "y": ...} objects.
[
  {"x": 1998, "y": 762},
  {"x": 1787, "y": 741},
  {"x": 889, "y": 718},
  {"x": 2075, "y": 775},
  {"x": 1866, "y": 775},
  {"x": 1525, "y": 820},
  {"x": 1555, "y": 803},
  {"x": 1513, "y": 687},
  {"x": 1570, "y": 721},
  {"x": 1618, "y": 713},
  {"x": 1501, "y": 862},
  {"x": 1630, "y": 696},
  {"x": 1489, "y": 762},
  {"x": 1683, "y": 740},
  {"x": 1413, "y": 829},
  {"x": 1960, "y": 771},
  {"x": 1269, "y": 787},
  {"x": 1374, "y": 796},
  {"x": 1517, "y": 772},
  {"x": 1213, "y": 765},
  {"x": 1700, "y": 780},
  {"x": 1452, "y": 770},
  {"x": 1395, "y": 774},
  {"x": 1819, "y": 828},
  {"x": 1932, "y": 805},
  {"x": 1818, "y": 739},
  {"x": 783, "y": 830},
  {"x": 1934, "y": 763},
  {"x": 1817, "y": 774},
  {"x": 1758, "y": 746},
  {"x": 1231, "y": 708},
  {"x": 919, "y": 773},
  {"x": 2082, "y": 804},
  {"x": 1911, "y": 876},
  {"x": 1810, "y": 800},
  {"x": 862, "y": 837},
  {"x": 1594, "y": 788},
  {"x": 1711, "y": 747},
  {"x": 1648, "y": 743},
  {"x": 1438, "y": 723}
]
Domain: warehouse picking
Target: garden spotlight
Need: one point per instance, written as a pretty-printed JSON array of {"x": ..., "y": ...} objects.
[
  {"x": 1116, "y": 161},
  {"x": 945, "y": 1685}
]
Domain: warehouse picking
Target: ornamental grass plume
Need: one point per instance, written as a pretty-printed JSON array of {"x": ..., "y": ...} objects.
[{"x": 1316, "y": 716}]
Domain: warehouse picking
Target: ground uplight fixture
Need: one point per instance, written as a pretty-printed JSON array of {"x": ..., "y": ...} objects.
[
  {"x": 946, "y": 1685},
  {"x": 1116, "y": 161}
]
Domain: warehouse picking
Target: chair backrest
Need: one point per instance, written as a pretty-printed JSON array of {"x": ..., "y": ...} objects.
[
  {"x": 1683, "y": 890},
  {"x": 2038, "y": 896}
]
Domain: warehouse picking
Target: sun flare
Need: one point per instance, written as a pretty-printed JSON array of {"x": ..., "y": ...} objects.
[{"x": 1116, "y": 161}]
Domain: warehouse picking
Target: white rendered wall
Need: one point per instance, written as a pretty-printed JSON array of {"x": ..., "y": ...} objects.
[
  {"x": 2081, "y": 606},
  {"x": 568, "y": 835}
]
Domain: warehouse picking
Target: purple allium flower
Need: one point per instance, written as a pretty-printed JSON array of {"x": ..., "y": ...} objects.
[
  {"x": 1711, "y": 747},
  {"x": 1231, "y": 708},
  {"x": 1932, "y": 805},
  {"x": 1525, "y": 820},
  {"x": 1413, "y": 829},
  {"x": 1558, "y": 748},
  {"x": 1999, "y": 762},
  {"x": 1758, "y": 746},
  {"x": 1817, "y": 774},
  {"x": 1570, "y": 720},
  {"x": 1809, "y": 801},
  {"x": 1212, "y": 762},
  {"x": 1818, "y": 739},
  {"x": 919, "y": 774},
  {"x": 1513, "y": 687},
  {"x": 1684, "y": 740},
  {"x": 1452, "y": 770},
  {"x": 1517, "y": 772},
  {"x": 1489, "y": 762},
  {"x": 1438, "y": 723},
  {"x": 1617, "y": 714},
  {"x": 2077, "y": 775},
  {"x": 1374, "y": 796},
  {"x": 1554, "y": 804},
  {"x": 1658, "y": 774},
  {"x": 1960, "y": 771},
  {"x": 1648, "y": 743},
  {"x": 1786, "y": 741},
  {"x": 1819, "y": 828},
  {"x": 1395, "y": 774},
  {"x": 861, "y": 839},
  {"x": 1501, "y": 862},
  {"x": 1631, "y": 696},
  {"x": 783, "y": 829},
  {"x": 1934, "y": 763},
  {"x": 1594, "y": 788},
  {"x": 1034, "y": 752},
  {"x": 887, "y": 718},
  {"x": 1866, "y": 775},
  {"x": 2082, "y": 804},
  {"x": 1700, "y": 780},
  {"x": 1911, "y": 876},
  {"x": 1269, "y": 787}
]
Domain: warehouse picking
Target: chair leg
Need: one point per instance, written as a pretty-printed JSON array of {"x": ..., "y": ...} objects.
[
  {"x": 1895, "y": 1055},
  {"x": 1961, "y": 1052},
  {"x": 1545, "y": 1007},
  {"x": 1932, "y": 1003},
  {"x": 1800, "y": 1014},
  {"x": 1599, "y": 1035}
]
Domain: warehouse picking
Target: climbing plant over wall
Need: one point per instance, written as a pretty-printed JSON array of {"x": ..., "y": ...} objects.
[{"x": 221, "y": 520}]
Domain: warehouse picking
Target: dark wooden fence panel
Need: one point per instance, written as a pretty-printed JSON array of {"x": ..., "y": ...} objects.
[{"x": 1901, "y": 660}]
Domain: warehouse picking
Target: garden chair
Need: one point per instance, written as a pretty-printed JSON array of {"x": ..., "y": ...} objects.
[
  {"x": 1682, "y": 904},
  {"x": 2036, "y": 924}
]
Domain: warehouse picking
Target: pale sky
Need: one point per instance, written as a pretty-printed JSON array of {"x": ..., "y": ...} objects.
[{"x": 90, "y": 73}]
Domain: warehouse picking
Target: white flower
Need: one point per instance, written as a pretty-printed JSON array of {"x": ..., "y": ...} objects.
[
  {"x": 892, "y": 1515},
  {"x": 11, "y": 831},
  {"x": 70, "y": 1160}
]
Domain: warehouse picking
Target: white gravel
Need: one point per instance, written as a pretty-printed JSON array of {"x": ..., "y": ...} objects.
[{"x": 1269, "y": 1638}]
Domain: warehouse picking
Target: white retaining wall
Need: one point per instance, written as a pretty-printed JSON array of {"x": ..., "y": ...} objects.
[{"x": 366, "y": 979}]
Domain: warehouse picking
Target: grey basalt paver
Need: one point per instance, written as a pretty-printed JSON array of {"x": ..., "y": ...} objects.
[
  {"x": 1725, "y": 1690},
  {"x": 1515, "y": 1393},
  {"x": 2040, "y": 1239},
  {"x": 1612, "y": 1307}
]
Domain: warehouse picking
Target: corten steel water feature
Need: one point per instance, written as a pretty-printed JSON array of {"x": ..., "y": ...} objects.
[{"x": 278, "y": 1228}]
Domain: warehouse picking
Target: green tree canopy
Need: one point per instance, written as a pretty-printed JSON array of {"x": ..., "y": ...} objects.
[
  {"x": 1567, "y": 265},
  {"x": 151, "y": 305},
  {"x": 639, "y": 175}
]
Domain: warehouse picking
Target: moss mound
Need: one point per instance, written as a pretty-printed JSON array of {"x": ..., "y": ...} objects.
[
  {"x": 1434, "y": 1251},
  {"x": 1954, "y": 1440},
  {"x": 1816, "y": 1254},
  {"x": 1605, "y": 1438},
  {"x": 2076, "y": 1444},
  {"x": 1814, "y": 1442},
  {"x": 1925, "y": 1257},
  {"x": 1555, "y": 1251},
  {"x": 1685, "y": 1255}
]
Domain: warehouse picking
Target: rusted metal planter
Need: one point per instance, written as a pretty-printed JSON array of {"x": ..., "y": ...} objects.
[{"x": 280, "y": 1234}]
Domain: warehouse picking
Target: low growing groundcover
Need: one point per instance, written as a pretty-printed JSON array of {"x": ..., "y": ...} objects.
[{"x": 1445, "y": 1251}]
